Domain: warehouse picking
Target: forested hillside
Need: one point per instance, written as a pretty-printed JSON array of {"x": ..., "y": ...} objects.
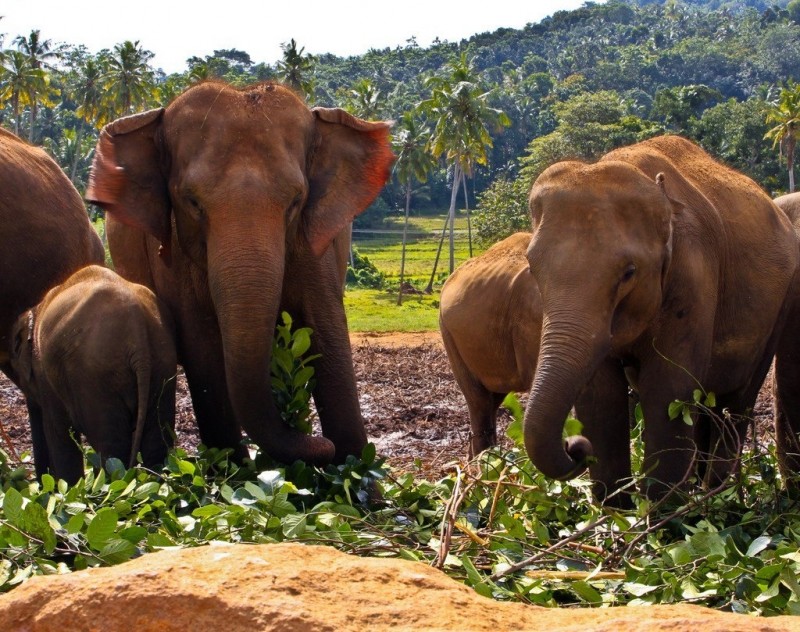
[{"x": 497, "y": 107}]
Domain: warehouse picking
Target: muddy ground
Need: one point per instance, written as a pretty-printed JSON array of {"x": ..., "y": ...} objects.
[{"x": 412, "y": 406}]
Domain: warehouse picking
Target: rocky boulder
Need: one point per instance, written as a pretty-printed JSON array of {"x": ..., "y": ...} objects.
[{"x": 297, "y": 587}]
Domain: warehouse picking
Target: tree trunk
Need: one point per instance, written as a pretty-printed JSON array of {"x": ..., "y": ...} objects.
[
  {"x": 76, "y": 158},
  {"x": 469, "y": 222},
  {"x": 429, "y": 288},
  {"x": 403, "y": 252},
  {"x": 456, "y": 182}
]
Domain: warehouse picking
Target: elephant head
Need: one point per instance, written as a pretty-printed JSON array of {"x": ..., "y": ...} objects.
[
  {"x": 243, "y": 177},
  {"x": 600, "y": 254}
]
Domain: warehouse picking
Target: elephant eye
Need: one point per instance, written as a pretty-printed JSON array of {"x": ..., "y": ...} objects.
[
  {"x": 627, "y": 275},
  {"x": 196, "y": 206}
]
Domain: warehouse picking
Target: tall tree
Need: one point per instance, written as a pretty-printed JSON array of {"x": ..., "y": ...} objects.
[
  {"x": 785, "y": 115},
  {"x": 39, "y": 53},
  {"x": 129, "y": 78},
  {"x": 364, "y": 100},
  {"x": 92, "y": 108},
  {"x": 295, "y": 69},
  {"x": 20, "y": 80},
  {"x": 459, "y": 105},
  {"x": 414, "y": 162}
]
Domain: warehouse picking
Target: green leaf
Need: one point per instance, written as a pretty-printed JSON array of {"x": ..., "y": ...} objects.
[
  {"x": 12, "y": 506},
  {"x": 301, "y": 342},
  {"x": 587, "y": 592},
  {"x": 758, "y": 545},
  {"x": 294, "y": 525},
  {"x": 34, "y": 521},
  {"x": 101, "y": 529},
  {"x": 117, "y": 550},
  {"x": 675, "y": 409}
]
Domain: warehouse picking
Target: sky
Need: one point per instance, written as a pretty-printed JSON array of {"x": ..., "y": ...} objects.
[{"x": 178, "y": 29}]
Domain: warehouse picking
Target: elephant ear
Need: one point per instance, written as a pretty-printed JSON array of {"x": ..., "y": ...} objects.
[
  {"x": 22, "y": 347},
  {"x": 351, "y": 162},
  {"x": 127, "y": 178}
]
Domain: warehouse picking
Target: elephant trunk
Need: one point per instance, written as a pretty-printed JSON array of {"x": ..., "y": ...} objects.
[
  {"x": 568, "y": 357},
  {"x": 246, "y": 292}
]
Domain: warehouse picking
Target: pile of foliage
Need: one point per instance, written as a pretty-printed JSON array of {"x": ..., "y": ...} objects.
[
  {"x": 495, "y": 523},
  {"x": 361, "y": 272}
]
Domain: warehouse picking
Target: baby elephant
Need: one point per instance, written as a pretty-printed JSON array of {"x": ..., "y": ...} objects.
[
  {"x": 490, "y": 316},
  {"x": 97, "y": 357}
]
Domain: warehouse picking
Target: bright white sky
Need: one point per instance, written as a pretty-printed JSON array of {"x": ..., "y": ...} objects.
[{"x": 178, "y": 29}]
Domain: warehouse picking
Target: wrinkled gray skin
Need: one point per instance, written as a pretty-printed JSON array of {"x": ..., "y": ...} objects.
[
  {"x": 234, "y": 205},
  {"x": 786, "y": 383},
  {"x": 97, "y": 357},
  {"x": 662, "y": 266},
  {"x": 45, "y": 235},
  {"x": 490, "y": 316}
]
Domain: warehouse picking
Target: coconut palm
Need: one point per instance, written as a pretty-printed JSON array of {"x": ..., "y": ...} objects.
[
  {"x": 414, "y": 162},
  {"x": 129, "y": 78},
  {"x": 20, "y": 80},
  {"x": 39, "y": 53},
  {"x": 785, "y": 115},
  {"x": 459, "y": 105},
  {"x": 295, "y": 69},
  {"x": 92, "y": 107}
]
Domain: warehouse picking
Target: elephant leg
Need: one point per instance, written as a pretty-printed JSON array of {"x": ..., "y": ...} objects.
[
  {"x": 786, "y": 392},
  {"x": 204, "y": 365},
  {"x": 63, "y": 443},
  {"x": 603, "y": 409},
  {"x": 720, "y": 439},
  {"x": 335, "y": 394},
  {"x": 482, "y": 403},
  {"x": 159, "y": 431},
  {"x": 41, "y": 454},
  {"x": 483, "y": 407},
  {"x": 670, "y": 449}
]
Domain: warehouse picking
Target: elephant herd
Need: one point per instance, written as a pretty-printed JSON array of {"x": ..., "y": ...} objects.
[{"x": 656, "y": 269}]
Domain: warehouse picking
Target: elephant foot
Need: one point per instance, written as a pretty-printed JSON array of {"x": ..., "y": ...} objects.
[{"x": 294, "y": 446}]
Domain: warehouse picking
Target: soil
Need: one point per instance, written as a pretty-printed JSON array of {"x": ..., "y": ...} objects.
[{"x": 414, "y": 412}]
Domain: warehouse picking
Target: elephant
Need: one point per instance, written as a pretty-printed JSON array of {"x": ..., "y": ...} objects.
[
  {"x": 43, "y": 216},
  {"x": 490, "y": 317},
  {"x": 46, "y": 236},
  {"x": 97, "y": 356},
  {"x": 786, "y": 383},
  {"x": 661, "y": 268},
  {"x": 233, "y": 205}
]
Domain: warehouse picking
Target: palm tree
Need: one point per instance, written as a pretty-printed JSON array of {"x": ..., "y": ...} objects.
[
  {"x": 39, "y": 53},
  {"x": 414, "y": 162},
  {"x": 785, "y": 114},
  {"x": 295, "y": 69},
  {"x": 459, "y": 106},
  {"x": 365, "y": 100},
  {"x": 90, "y": 97},
  {"x": 129, "y": 77},
  {"x": 20, "y": 81}
]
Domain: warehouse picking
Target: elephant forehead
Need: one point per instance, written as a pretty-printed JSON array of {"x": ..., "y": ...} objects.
[
  {"x": 262, "y": 116},
  {"x": 589, "y": 190}
]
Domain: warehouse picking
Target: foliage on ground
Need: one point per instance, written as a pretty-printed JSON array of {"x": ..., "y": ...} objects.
[{"x": 494, "y": 523}]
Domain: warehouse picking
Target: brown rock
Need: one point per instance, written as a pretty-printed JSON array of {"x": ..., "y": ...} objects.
[{"x": 297, "y": 587}]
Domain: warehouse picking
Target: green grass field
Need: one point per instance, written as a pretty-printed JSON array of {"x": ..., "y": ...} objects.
[{"x": 377, "y": 310}]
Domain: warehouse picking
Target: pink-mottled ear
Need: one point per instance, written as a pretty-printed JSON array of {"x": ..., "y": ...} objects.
[
  {"x": 127, "y": 178},
  {"x": 351, "y": 163}
]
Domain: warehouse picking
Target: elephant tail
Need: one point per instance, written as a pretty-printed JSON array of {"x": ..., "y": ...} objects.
[{"x": 142, "y": 370}]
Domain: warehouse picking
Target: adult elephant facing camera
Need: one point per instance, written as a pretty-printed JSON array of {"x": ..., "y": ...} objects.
[
  {"x": 662, "y": 266},
  {"x": 226, "y": 204}
]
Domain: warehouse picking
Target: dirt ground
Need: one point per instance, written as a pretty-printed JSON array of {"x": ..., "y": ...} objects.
[{"x": 414, "y": 411}]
